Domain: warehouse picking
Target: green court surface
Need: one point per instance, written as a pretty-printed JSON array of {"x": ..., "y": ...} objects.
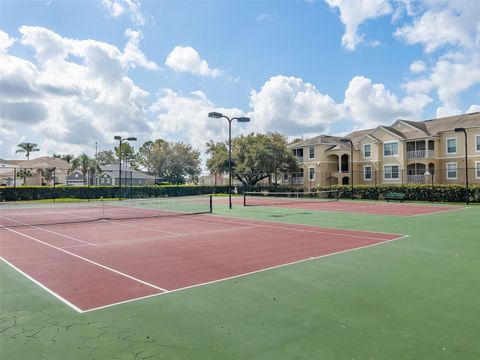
[{"x": 414, "y": 298}]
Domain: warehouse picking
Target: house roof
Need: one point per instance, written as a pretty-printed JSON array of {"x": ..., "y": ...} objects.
[
  {"x": 113, "y": 170},
  {"x": 42, "y": 162},
  {"x": 430, "y": 127}
]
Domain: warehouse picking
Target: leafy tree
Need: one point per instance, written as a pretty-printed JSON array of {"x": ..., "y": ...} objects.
[
  {"x": 66, "y": 157},
  {"x": 254, "y": 157},
  {"x": 27, "y": 148},
  {"x": 146, "y": 156},
  {"x": 174, "y": 162},
  {"x": 87, "y": 165},
  {"x": 128, "y": 155},
  {"x": 48, "y": 174},
  {"x": 106, "y": 157},
  {"x": 24, "y": 173}
]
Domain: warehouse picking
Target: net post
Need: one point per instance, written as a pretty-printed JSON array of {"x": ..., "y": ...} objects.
[
  {"x": 245, "y": 198},
  {"x": 211, "y": 203}
]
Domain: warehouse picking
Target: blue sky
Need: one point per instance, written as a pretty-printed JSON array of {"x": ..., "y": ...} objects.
[{"x": 76, "y": 72}]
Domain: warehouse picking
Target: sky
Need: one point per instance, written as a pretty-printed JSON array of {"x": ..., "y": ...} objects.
[{"x": 76, "y": 73}]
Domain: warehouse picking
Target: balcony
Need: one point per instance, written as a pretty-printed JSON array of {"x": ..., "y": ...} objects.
[
  {"x": 420, "y": 154},
  {"x": 299, "y": 158},
  {"x": 418, "y": 179}
]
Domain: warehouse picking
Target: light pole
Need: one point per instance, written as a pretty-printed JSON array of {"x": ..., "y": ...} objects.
[
  {"x": 120, "y": 141},
  {"x": 346, "y": 140},
  {"x": 217, "y": 115},
  {"x": 466, "y": 162}
]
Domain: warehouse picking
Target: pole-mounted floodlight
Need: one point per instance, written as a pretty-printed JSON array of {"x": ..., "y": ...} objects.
[
  {"x": 458, "y": 130},
  {"x": 120, "y": 140},
  {"x": 346, "y": 140},
  {"x": 243, "y": 119}
]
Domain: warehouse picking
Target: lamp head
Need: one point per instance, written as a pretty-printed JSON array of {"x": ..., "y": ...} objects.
[
  {"x": 132, "y": 138},
  {"x": 243, "y": 119},
  {"x": 345, "y": 140},
  {"x": 117, "y": 137},
  {"x": 215, "y": 115},
  {"x": 460, "y": 129}
]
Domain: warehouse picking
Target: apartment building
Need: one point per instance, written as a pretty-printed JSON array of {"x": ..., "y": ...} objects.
[{"x": 407, "y": 151}]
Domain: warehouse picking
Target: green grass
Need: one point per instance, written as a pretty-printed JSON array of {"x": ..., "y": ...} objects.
[{"x": 416, "y": 298}]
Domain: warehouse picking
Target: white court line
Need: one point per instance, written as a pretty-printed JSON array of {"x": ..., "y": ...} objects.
[
  {"x": 88, "y": 260},
  {"x": 443, "y": 211},
  {"x": 65, "y": 301},
  {"x": 50, "y": 231},
  {"x": 126, "y": 242},
  {"x": 222, "y": 218},
  {"x": 312, "y": 231},
  {"x": 249, "y": 273}
]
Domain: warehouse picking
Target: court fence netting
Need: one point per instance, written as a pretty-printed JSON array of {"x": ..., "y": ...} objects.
[
  {"x": 265, "y": 198},
  {"x": 18, "y": 214}
]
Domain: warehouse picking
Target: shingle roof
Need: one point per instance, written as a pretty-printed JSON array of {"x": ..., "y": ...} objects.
[
  {"x": 320, "y": 139},
  {"x": 439, "y": 125}
]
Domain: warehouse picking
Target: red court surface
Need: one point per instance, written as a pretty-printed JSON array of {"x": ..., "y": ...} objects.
[
  {"x": 380, "y": 208},
  {"x": 94, "y": 265}
]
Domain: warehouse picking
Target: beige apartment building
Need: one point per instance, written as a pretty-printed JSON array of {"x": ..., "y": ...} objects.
[{"x": 406, "y": 152}]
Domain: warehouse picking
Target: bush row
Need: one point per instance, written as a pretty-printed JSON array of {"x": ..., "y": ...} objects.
[
  {"x": 97, "y": 192},
  {"x": 442, "y": 193}
]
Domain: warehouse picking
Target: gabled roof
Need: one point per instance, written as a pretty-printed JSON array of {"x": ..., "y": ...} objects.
[
  {"x": 320, "y": 139},
  {"x": 419, "y": 125},
  {"x": 436, "y": 126},
  {"x": 42, "y": 162}
]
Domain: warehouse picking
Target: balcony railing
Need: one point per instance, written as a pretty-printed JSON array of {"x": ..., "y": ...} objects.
[
  {"x": 416, "y": 178},
  {"x": 420, "y": 154},
  {"x": 299, "y": 158}
]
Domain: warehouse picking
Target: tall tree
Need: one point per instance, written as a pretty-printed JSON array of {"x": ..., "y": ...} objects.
[
  {"x": 87, "y": 165},
  {"x": 128, "y": 154},
  {"x": 66, "y": 157},
  {"x": 24, "y": 173},
  {"x": 254, "y": 157},
  {"x": 146, "y": 156},
  {"x": 27, "y": 148},
  {"x": 184, "y": 163},
  {"x": 106, "y": 157}
]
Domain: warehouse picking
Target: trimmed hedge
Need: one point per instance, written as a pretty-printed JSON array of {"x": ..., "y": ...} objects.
[
  {"x": 438, "y": 193},
  {"x": 97, "y": 192}
]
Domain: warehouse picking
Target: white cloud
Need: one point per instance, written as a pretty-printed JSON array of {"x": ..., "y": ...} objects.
[
  {"x": 418, "y": 66},
  {"x": 186, "y": 118},
  {"x": 118, "y": 7},
  {"x": 78, "y": 92},
  {"x": 372, "y": 104},
  {"x": 131, "y": 52},
  {"x": 292, "y": 106},
  {"x": 444, "y": 111},
  {"x": 473, "y": 108},
  {"x": 186, "y": 59},
  {"x": 264, "y": 17},
  {"x": 355, "y": 12},
  {"x": 5, "y": 41},
  {"x": 444, "y": 23}
]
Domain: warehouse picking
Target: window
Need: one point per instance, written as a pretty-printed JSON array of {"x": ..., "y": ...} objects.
[
  {"x": 298, "y": 152},
  {"x": 367, "y": 150},
  {"x": 477, "y": 169},
  {"x": 390, "y": 149},
  {"x": 452, "y": 146},
  {"x": 477, "y": 143},
  {"x": 311, "y": 152},
  {"x": 451, "y": 170},
  {"x": 367, "y": 173},
  {"x": 390, "y": 172},
  {"x": 311, "y": 173},
  {"x": 102, "y": 181}
]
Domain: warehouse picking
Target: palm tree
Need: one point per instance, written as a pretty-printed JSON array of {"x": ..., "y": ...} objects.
[
  {"x": 27, "y": 148},
  {"x": 85, "y": 164},
  {"x": 24, "y": 173}
]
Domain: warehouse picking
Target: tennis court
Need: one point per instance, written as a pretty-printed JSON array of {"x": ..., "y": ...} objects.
[
  {"x": 114, "y": 260},
  {"x": 165, "y": 278},
  {"x": 328, "y": 201}
]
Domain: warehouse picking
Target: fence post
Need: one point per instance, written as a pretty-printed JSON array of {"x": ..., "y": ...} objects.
[
  {"x": 14, "y": 184},
  {"x": 54, "y": 184}
]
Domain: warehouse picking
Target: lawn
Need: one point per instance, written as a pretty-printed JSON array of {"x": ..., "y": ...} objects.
[{"x": 415, "y": 298}]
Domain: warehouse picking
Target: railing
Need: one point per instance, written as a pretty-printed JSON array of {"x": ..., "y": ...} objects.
[
  {"x": 299, "y": 158},
  {"x": 416, "y": 179},
  {"x": 420, "y": 154}
]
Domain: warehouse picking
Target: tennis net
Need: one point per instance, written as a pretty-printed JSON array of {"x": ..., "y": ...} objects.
[
  {"x": 283, "y": 198},
  {"x": 35, "y": 214}
]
